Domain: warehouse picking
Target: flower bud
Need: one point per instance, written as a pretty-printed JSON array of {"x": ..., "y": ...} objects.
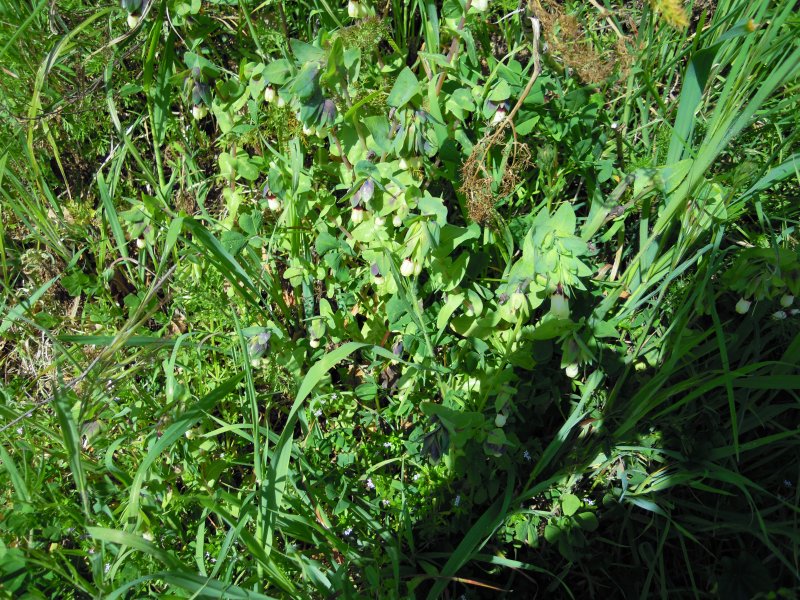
[
  {"x": 380, "y": 221},
  {"x": 313, "y": 342},
  {"x": 517, "y": 301},
  {"x": 787, "y": 300},
  {"x": 559, "y": 306},
  {"x": 353, "y": 9},
  {"x": 133, "y": 20},
  {"x": 742, "y": 306},
  {"x": 397, "y": 221},
  {"x": 376, "y": 273},
  {"x": 357, "y": 215},
  {"x": 480, "y": 5},
  {"x": 571, "y": 370},
  {"x": 779, "y": 315},
  {"x": 329, "y": 111},
  {"x": 140, "y": 243},
  {"x": 367, "y": 190},
  {"x": 281, "y": 102},
  {"x": 269, "y": 94},
  {"x": 407, "y": 268}
]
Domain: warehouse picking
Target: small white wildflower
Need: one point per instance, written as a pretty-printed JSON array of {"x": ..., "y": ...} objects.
[
  {"x": 19, "y": 430},
  {"x": 334, "y": 396},
  {"x": 779, "y": 315},
  {"x": 589, "y": 501},
  {"x": 107, "y": 568},
  {"x": 357, "y": 215},
  {"x": 318, "y": 413},
  {"x": 787, "y": 483},
  {"x": 526, "y": 455},
  {"x": 415, "y": 477},
  {"x": 387, "y": 444},
  {"x": 385, "y": 502},
  {"x": 457, "y": 501},
  {"x": 369, "y": 484},
  {"x": 348, "y": 531}
]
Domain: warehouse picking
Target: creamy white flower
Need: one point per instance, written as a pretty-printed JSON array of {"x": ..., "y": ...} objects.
[
  {"x": 559, "y": 306},
  {"x": 407, "y": 268},
  {"x": 269, "y": 94}
]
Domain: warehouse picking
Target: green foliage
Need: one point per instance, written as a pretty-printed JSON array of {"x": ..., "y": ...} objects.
[{"x": 305, "y": 300}]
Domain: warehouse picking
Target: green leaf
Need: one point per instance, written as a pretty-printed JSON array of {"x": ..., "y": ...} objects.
[
  {"x": 305, "y": 53},
  {"x": 233, "y": 242},
  {"x": 570, "y": 504},
  {"x": 552, "y": 533},
  {"x": 251, "y": 222},
  {"x": 587, "y": 521},
  {"x": 405, "y": 88},
  {"x": 277, "y": 72}
]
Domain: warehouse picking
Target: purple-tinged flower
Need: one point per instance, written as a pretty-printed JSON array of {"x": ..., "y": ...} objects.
[
  {"x": 329, "y": 112},
  {"x": 367, "y": 190}
]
